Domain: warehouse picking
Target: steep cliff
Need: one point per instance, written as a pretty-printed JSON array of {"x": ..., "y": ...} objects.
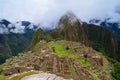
[{"x": 101, "y": 39}]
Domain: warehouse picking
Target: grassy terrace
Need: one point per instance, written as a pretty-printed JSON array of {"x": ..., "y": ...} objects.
[
  {"x": 3, "y": 77},
  {"x": 60, "y": 50},
  {"x": 94, "y": 76}
]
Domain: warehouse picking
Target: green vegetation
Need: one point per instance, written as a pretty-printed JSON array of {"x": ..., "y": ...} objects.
[
  {"x": 116, "y": 68},
  {"x": 118, "y": 53},
  {"x": 115, "y": 75},
  {"x": 3, "y": 58},
  {"x": 12, "y": 44},
  {"x": 102, "y": 40},
  {"x": 60, "y": 50},
  {"x": 98, "y": 47},
  {"x": 116, "y": 72},
  {"x": 83, "y": 62},
  {"x": 72, "y": 70},
  {"x": 3, "y": 77},
  {"x": 55, "y": 35},
  {"x": 94, "y": 76},
  {"x": 38, "y": 35},
  {"x": 73, "y": 73},
  {"x": 38, "y": 46}
]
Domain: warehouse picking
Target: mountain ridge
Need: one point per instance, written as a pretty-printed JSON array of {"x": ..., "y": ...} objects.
[
  {"x": 18, "y": 27},
  {"x": 114, "y": 26},
  {"x": 14, "y": 37}
]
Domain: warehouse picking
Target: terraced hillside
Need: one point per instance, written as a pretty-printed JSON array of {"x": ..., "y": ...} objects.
[{"x": 67, "y": 59}]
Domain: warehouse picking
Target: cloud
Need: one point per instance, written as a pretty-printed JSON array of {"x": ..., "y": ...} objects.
[{"x": 48, "y": 11}]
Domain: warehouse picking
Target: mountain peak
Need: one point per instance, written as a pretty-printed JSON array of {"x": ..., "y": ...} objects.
[
  {"x": 70, "y": 29},
  {"x": 5, "y": 22},
  {"x": 71, "y": 17}
]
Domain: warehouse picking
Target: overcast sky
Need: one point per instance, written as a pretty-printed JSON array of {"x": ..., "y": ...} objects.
[{"x": 47, "y": 11}]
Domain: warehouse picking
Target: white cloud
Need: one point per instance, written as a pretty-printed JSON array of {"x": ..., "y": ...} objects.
[
  {"x": 18, "y": 28},
  {"x": 47, "y": 11},
  {"x": 3, "y": 29}
]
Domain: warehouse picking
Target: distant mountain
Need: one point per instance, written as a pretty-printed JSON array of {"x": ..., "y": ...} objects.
[
  {"x": 14, "y": 38},
  {"x": 18, "y": 27},
  {"x": 108, "y": 23},
  {"x": 102, "y": 39},
  {"x": 112, "y": 25}
]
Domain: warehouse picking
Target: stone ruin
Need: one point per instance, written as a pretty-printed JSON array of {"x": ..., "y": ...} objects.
[{"x": 14, "y": 70}]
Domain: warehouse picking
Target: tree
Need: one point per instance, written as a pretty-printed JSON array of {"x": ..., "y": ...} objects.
[
  {"x": 85, "y": 56},
  {"x": 67, "y": 48},
  {"x": 53, "y": 48}
]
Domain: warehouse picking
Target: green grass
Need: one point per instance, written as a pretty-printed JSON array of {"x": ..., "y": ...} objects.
[
  {"x": 72, "y": 70},
  {"x": 1, "y": 67},
  {"x": 83, "y": 62},
  {"x": 73, "y": 73},
  {"x": 94, "y": 76},
  {"x": 60, "y": 50},
  {"x": 3, "y": 77}
]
